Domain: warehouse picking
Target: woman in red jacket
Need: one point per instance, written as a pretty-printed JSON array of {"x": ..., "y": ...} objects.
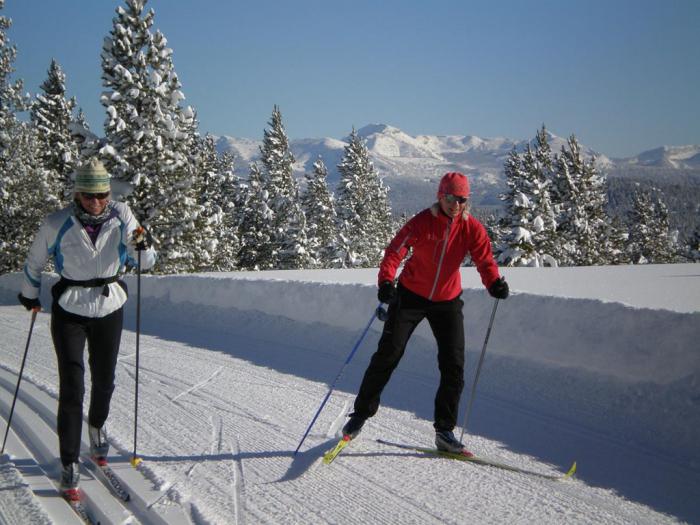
[{"x": 429, "y": 286}]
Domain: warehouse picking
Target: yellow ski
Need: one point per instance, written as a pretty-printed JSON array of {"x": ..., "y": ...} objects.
[
  {"x": 329, "y": 456},
  {"x": 481, "y": 461}
]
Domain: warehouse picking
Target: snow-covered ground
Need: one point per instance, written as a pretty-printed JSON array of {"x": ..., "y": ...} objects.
[{"x": 598, "y": 365}]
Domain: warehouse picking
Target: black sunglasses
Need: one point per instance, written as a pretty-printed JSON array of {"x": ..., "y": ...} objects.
[
  {"x": 454, "y": 198},
  {"x": 98, "y": 196}
]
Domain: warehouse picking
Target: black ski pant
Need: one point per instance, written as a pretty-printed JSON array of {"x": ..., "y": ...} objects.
[
  {"x": 447, "y": 324},
  {"x": 69, "y": 332}
]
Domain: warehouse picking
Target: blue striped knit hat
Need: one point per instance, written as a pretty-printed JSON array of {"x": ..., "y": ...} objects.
[{"x": 92, "y": 177}]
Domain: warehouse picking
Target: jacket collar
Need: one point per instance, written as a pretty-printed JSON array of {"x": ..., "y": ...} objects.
[{"x": 437, "y": 212}]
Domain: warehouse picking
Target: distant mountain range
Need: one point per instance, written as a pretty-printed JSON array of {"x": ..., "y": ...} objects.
[
  {"x": 675, "y": 157},
  {"x": 412, "y": 166}
]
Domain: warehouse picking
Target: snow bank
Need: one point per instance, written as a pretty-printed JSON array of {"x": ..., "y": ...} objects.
[{"x": 628, "y": 342}]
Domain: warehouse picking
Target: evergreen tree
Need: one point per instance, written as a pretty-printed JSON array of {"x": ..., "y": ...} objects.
[
  {"x": 25, "y": 197},
  {"x": 599, "y": 247},
  {"x": 52, "y": 114},
  {"x": 363, "y": 208},
  {"x": 617, "y": 242},
  {"x": 318, "y": 204},
  {"x": 580, "y": 193},
  {"x": 151, "y": 138},
  {"x": 11, "y": 98},
  {"x": 217, "y": 191},
  {"x": 382, "y": 220},
  {"x": 641, "y": 227},
  {"x": 649, "y": 236},
  {"x": 25, "y": 192},
  {"x": 231, "y": 199},
  {"x": 257, "y": 251},
  {"x": 555, "y": 209},
  {"x": 204, "y": 239},
  {"x": 666, "y": 242},
  {"x": 288, "y": 227},
  {"x": 545, "y": 224},
  {"x": 518, "y": 247}
]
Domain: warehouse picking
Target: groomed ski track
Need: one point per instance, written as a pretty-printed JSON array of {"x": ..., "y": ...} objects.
[
  {"x": 35, "y": 442},
  {"x": 222, "y": 408}
]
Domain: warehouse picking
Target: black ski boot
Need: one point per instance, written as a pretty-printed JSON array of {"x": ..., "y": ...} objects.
[
  {"x": 70, "y": 478},
  {"x": 446, "y": 441},
  {"x": 99, "y": 447},
  {"x": 353, "y": 427}
]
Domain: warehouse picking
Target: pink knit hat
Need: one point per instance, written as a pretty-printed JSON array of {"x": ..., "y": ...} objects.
[{"x": 454, "y": 183}]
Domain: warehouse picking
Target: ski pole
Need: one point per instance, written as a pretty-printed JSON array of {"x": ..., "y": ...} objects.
[
  {"x": 19, "y": 378},
  {"x": 340, "y": 373},
  {"x": 478, "y": 370},
  {"x": 134, "y": 459}
]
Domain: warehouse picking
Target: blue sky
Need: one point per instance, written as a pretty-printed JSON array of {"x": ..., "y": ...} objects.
[{"x": 623, "y": 75}]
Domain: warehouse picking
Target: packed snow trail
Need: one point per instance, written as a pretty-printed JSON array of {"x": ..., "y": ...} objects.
[
  {"x": 226, "y": 394},
  {"x": 188, "y": 446}
]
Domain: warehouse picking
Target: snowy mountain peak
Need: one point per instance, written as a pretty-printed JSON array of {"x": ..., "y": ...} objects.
[
  {"x": 391, "y": 142},
  {"x": 678, "y": 157},
  {"x": 372, "y": 129}
]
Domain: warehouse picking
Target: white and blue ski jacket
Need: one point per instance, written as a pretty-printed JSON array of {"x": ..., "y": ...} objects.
[{"x": 63, "y": 238}]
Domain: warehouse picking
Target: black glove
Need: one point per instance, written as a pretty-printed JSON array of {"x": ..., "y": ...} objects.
[
  {"x": 29, "y": 304},
  {"x": 386, "y": 292},
  {"x": 142, "y": 239},
  {"x": 499, "y": 289}
]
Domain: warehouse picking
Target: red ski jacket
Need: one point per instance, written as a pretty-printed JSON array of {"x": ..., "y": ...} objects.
[{"x": 439, "y": 245}]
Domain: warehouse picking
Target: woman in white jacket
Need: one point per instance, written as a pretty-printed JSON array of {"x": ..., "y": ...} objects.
[{"x": 90, "y": 242}]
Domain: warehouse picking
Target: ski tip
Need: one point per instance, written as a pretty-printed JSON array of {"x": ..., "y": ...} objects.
[
  {"x": 135, "y": 462},
  {"x": 571, "y": 471}
]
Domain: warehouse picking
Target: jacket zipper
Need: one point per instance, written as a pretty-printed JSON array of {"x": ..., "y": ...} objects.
[{"x": 442, "y": 256}]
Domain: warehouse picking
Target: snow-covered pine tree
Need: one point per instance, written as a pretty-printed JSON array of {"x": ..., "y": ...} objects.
[
  {"x": 617, "y": 242},
  {"x": 25, "y": 195},
  {"x": 217, "y": 190},
  {"x": 150, "y": 135},
  {"x": 362, "y": 206},
  {"x": 11, "y": 98},
  {"x": 579, "y": 191},
  {"x": 257, "y": 250},
  {"x": 52, "y": 114},
  {"x": 288, "y": 226},
  {"x": 641, "y": 227},
  {"x": 318, "y": 204},
  {"x": 203, "y": 240},
  {"x": 569, "y": 209},
  {"x": 650, "y": 240},
  {"x": 545, "y": 224},
  {"x": 231, "y": 200},
  {"x": 382, "y": 219},
  {"x": 517, "y": 248},
  {"x": 599, "y": 245}
]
